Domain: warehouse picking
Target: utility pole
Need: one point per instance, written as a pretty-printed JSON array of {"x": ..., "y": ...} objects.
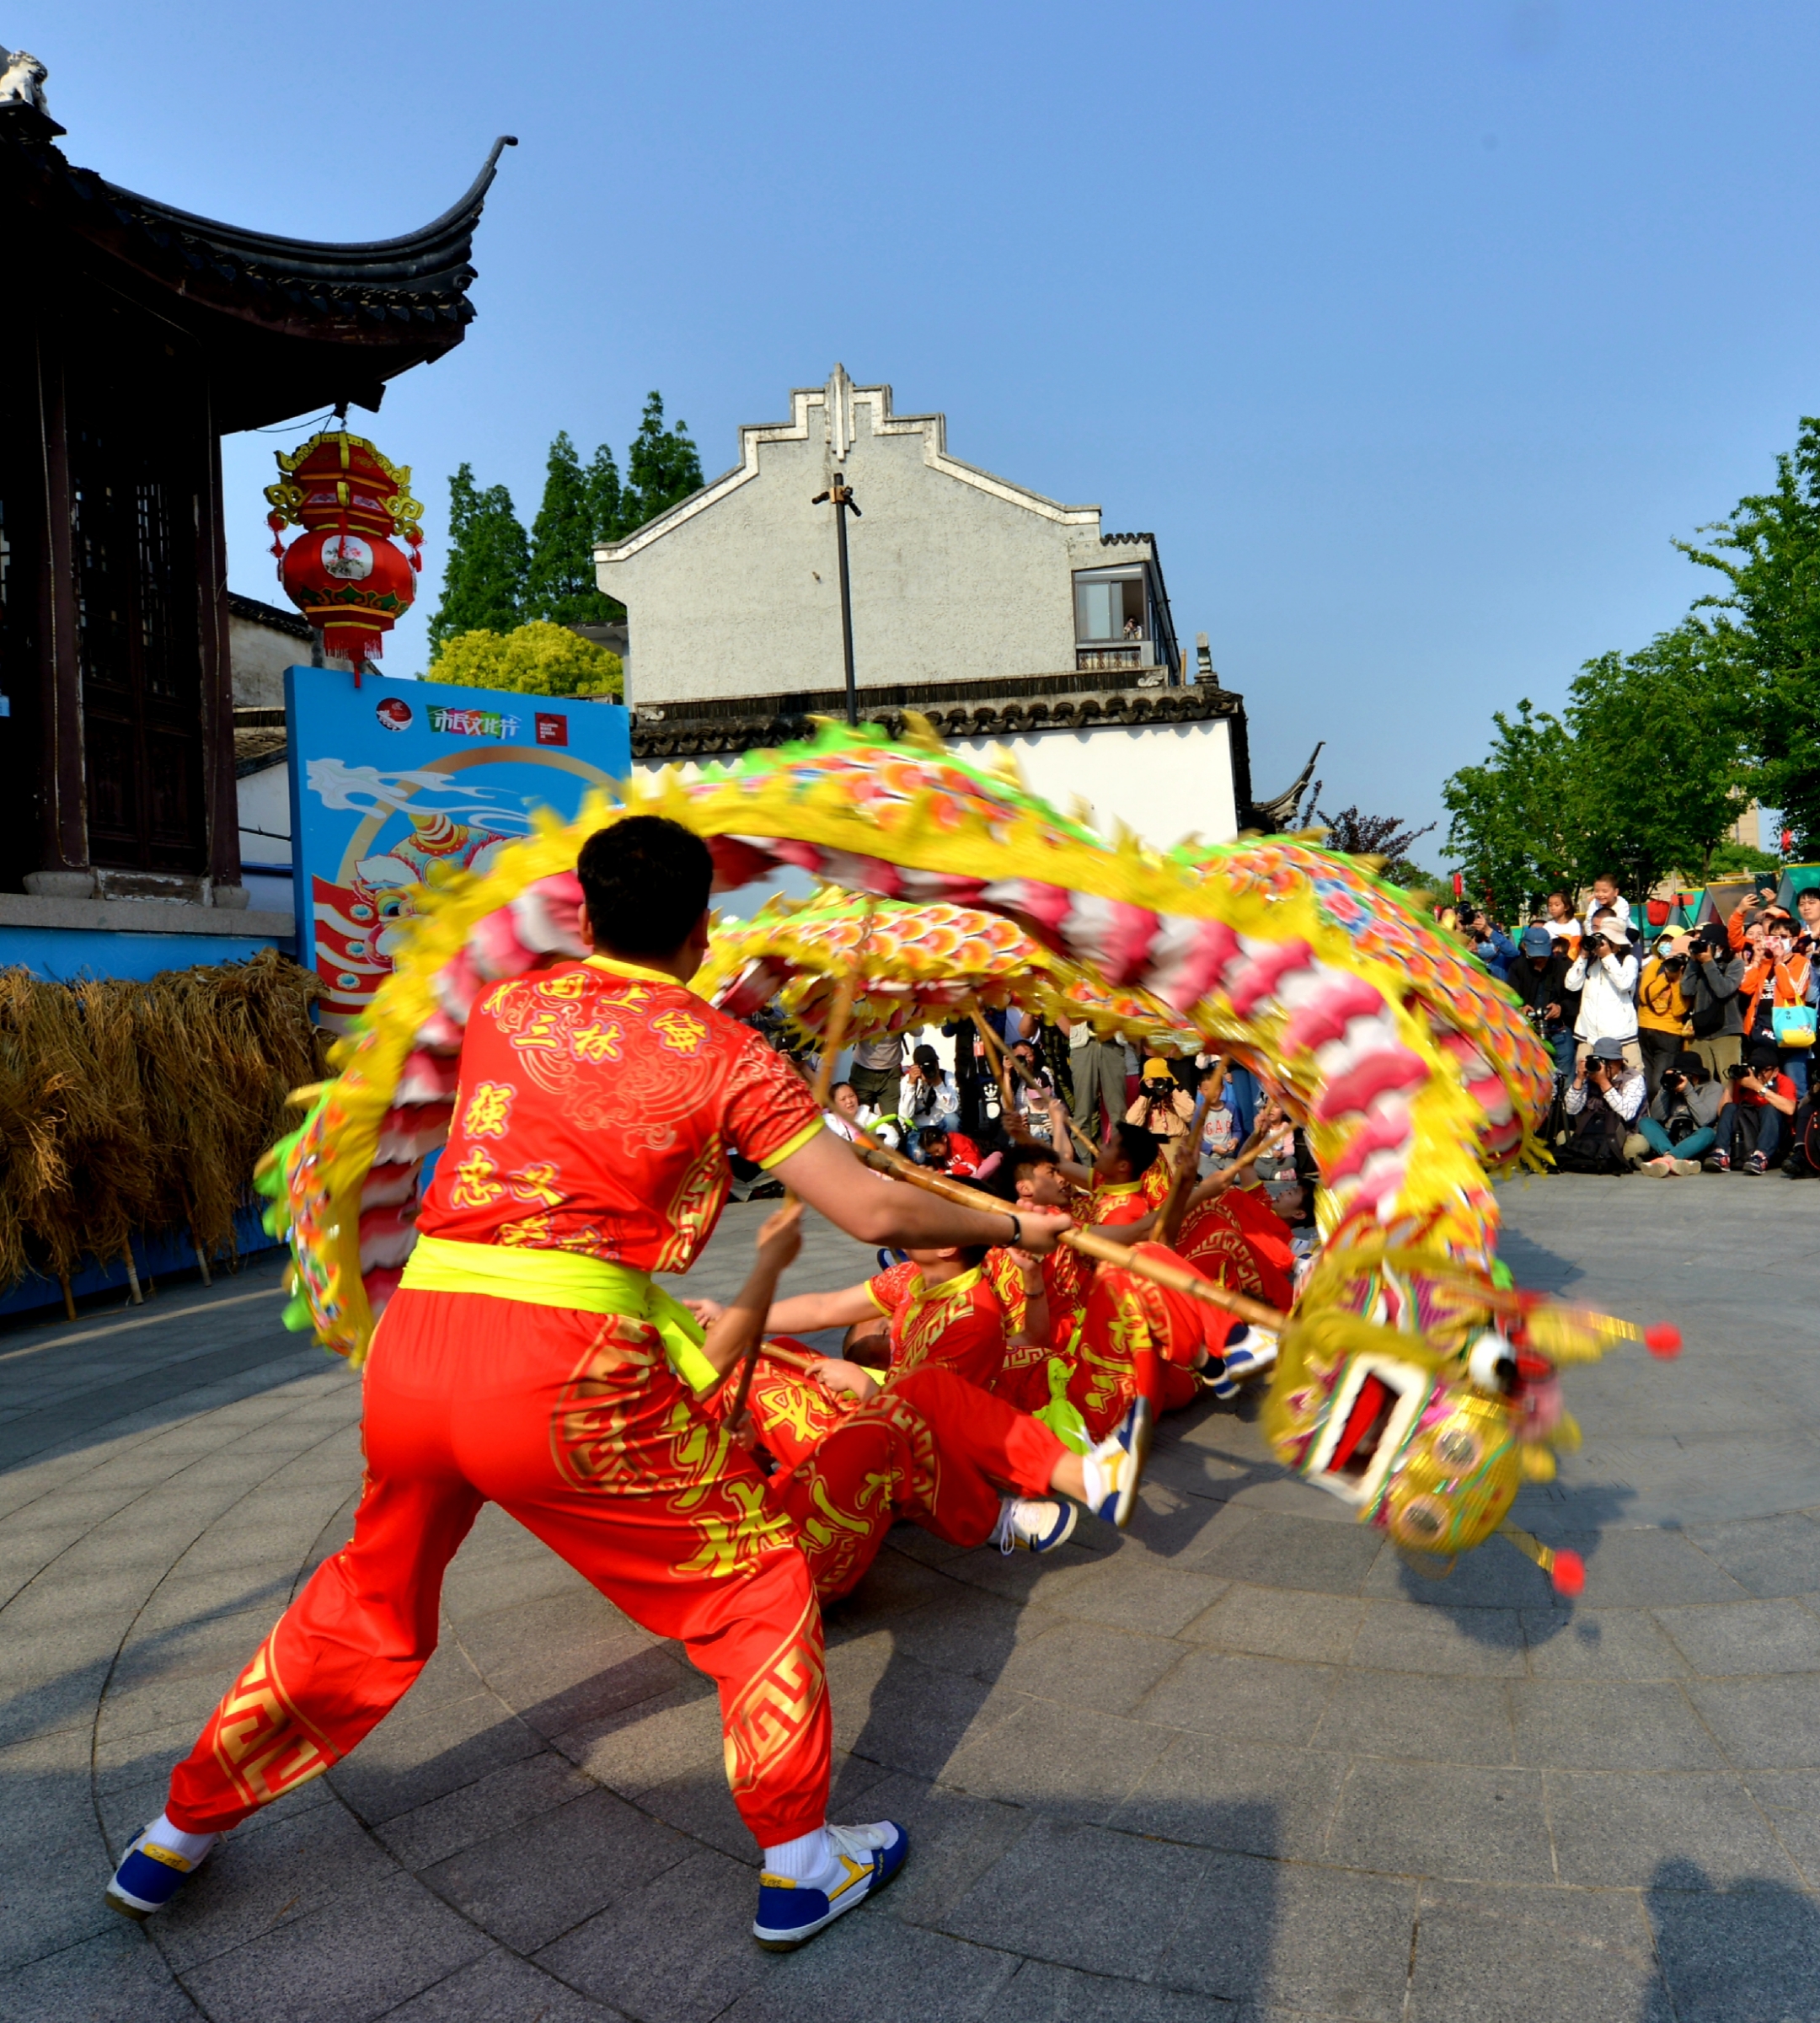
[{"x": 840, "y": 496}]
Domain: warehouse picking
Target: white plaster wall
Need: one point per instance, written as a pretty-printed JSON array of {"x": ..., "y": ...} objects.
[
  {"x": 1163, "y": 781},
  {"x": 259, "y": 656},
  {"x": 950, "y": 581},
  {"x": 265, "y": 803}
]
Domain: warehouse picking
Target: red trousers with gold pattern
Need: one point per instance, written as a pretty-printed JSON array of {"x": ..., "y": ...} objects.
[
  {"x": 574, "y": 1423},
  {"x": 1137, "y": 1338},
  {"x": 931, "y": 1448}
]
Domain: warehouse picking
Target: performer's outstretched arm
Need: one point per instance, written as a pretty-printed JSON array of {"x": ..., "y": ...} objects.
[
  {"x": 736, "y": 1325},
  {"x": 825, "y": 1174}
]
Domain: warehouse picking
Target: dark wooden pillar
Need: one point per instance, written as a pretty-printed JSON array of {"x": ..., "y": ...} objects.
[{"x": 64, "y": 849}]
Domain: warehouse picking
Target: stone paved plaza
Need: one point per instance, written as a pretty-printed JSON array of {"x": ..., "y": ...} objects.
[{"x": 1241, "y": 1764}]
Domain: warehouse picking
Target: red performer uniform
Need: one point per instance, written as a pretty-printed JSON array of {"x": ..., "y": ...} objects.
[
  {"x": 1067, "y": 1277},
  {"x": 1138, "y": 1336},
  {"x": 596, "y": 1104},
  {"x": 1237, "y": 1239},
  {"x": 959, "y": 1325},
  {"x": 931, "y": 1448}
]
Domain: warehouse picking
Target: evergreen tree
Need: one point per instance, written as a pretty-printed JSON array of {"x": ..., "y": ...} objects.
[
  {"x": 484, "y": 579},
  {"x": 560, "y": 584},
  {"x": 605, "y": 507},
  {"x": 662, "y": 466}
]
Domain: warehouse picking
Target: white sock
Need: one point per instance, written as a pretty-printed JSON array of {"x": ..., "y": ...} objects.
[
  {"x": 806, "y": 1858},
  {"x": 1092, "y": 1480},
  {"x": 191, "y": 1846}
]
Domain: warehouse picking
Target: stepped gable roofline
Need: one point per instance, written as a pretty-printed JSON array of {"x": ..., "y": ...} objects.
[{"x": 839, "y": 400}]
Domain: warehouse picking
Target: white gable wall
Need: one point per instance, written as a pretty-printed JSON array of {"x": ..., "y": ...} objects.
[{"x": 957, "y": 576}]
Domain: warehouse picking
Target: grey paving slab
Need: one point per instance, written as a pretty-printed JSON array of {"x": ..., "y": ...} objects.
[
  {"x": 1319, "y": 1629},
  {"x": 1741, "y": 1956},
  {"x": 1243, "y": 1763},
  {"x": 1511, "y": 1955},
  {"x": 1429, "y": 1819},
  {"x": 1614, "y": 1830},
  {"x": 1241, "y": 1796},
  {"x": 1326, "y": 1941},
  {"x": 1609, "y": 1725},
  {"x": 1389, "y": 1714},
  {"x": 346, "y": 1963},
  {"x": 1737, "y": 1640},
  {"x": 1769, "y": 1724},
  {"x": 1229, "y": 1693},
  {"x": 538, "y": 1879}
]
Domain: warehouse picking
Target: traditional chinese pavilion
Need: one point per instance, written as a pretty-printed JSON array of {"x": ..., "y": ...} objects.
[{"x": 132, "y": 337}]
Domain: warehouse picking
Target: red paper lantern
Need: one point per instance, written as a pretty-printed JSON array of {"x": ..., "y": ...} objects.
[{"x": 346, "y": 575}]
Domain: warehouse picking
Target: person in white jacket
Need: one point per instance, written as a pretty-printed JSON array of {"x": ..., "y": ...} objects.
[{"x": 1605, "y": 974}]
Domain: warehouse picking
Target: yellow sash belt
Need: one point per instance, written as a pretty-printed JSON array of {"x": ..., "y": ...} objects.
[{"x": 563, "y": 1278}]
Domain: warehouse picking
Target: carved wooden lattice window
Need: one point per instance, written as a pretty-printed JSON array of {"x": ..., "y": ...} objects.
[{"x": 135, "y": 513}]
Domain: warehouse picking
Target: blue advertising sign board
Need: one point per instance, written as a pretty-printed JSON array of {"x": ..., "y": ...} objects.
[{"x": 392, "y": 778}]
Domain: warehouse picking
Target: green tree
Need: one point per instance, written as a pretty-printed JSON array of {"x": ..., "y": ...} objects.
[
  {"x": 662, "y": 466},
  {"x": 1659, "y": 756},
  {"x": 559, "y": 584},
  {"x": 1513, "y": 831},
  {"x": 484, "y": 579},
  {"x": 606, "y": 505},
  {"x": 1769, "y": 549},
  {"x": 535, "y": 659}
]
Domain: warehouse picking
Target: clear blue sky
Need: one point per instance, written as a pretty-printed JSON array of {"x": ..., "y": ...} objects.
[{"x": 1416, "y": 332}]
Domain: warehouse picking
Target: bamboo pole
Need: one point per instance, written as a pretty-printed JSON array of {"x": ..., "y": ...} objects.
[
  {"x": 196, "y": 1245},
  {"x": 1176, "y": 1278},
  {"x": 132, "y": 1275},
  {"x": 832, "y": 1042}
]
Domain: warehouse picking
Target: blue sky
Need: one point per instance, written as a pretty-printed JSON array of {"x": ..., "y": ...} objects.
[{"x": 1416, "y": 332}]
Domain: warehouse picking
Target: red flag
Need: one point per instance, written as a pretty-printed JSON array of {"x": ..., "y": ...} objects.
[{"x": 1459, "y": 884}]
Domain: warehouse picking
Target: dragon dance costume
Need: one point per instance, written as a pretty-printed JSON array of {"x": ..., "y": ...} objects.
[{"x": 523, "y": 1362}]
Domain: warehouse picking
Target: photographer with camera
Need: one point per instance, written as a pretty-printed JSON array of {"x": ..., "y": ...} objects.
[
  {"x": 1711, "y": 982},
  {"x": 1778, "y": 993},
  {"x": 1490, "y": 942},
  {"x": 1605, "y": 974},
  {"x": 1664, "y": 1023},
  {"x": 1540, "y": 978},
  {"x": 1680, "y": 1122},
  {"x": 1603, "y": 1102},
  {"x": 1757, "y": 1100}
]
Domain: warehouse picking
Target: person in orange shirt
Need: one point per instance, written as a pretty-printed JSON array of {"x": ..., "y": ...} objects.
[
  {"x": 1778, "y": 977},
  {"x": 528, "y": 1359}
]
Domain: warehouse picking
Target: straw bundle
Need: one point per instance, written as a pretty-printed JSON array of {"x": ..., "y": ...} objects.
[{"x": 131, "y": 1108}]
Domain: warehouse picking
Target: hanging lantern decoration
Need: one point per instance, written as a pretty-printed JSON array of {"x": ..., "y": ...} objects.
[{"x": 346, "y": 573}]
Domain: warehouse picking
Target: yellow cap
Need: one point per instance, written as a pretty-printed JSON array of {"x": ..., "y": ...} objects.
[{"x": 1156, "y": 1069}]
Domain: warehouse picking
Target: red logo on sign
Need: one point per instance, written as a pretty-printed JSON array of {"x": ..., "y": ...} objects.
[{"x": 552, "y": 729}]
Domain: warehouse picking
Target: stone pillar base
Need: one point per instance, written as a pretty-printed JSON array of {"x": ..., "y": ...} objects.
[{"x": 60, "y": 884}]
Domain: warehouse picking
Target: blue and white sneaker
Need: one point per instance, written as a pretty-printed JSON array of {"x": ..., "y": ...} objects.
[
  {"x": 1033, "y": 1524},
  {"x": 1251, "y": 1353},
  {"x": 1119, "y": 1462},
  {"x": 151, "y": 1874},
  {"x": 791, "y": 1913}
]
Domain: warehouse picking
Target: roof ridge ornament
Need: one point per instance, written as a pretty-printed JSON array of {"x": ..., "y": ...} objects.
[{"x": 838, "y": 396}]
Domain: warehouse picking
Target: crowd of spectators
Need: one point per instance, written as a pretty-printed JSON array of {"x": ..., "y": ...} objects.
[{"x": 1675, "y": 1051}]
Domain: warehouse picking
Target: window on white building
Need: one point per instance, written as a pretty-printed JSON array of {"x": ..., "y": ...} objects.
[{"x": 1112, "y": 618}]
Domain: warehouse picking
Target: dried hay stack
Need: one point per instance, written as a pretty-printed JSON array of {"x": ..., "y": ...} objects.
[{"x": 141, "y": 1108}]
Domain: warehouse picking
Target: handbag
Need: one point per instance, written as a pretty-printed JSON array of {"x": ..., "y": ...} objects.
[{"x": 1794, "y": 1024}]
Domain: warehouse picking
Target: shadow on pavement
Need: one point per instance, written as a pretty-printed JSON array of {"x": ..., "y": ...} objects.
[{"x": 1749, "y": 1953}]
